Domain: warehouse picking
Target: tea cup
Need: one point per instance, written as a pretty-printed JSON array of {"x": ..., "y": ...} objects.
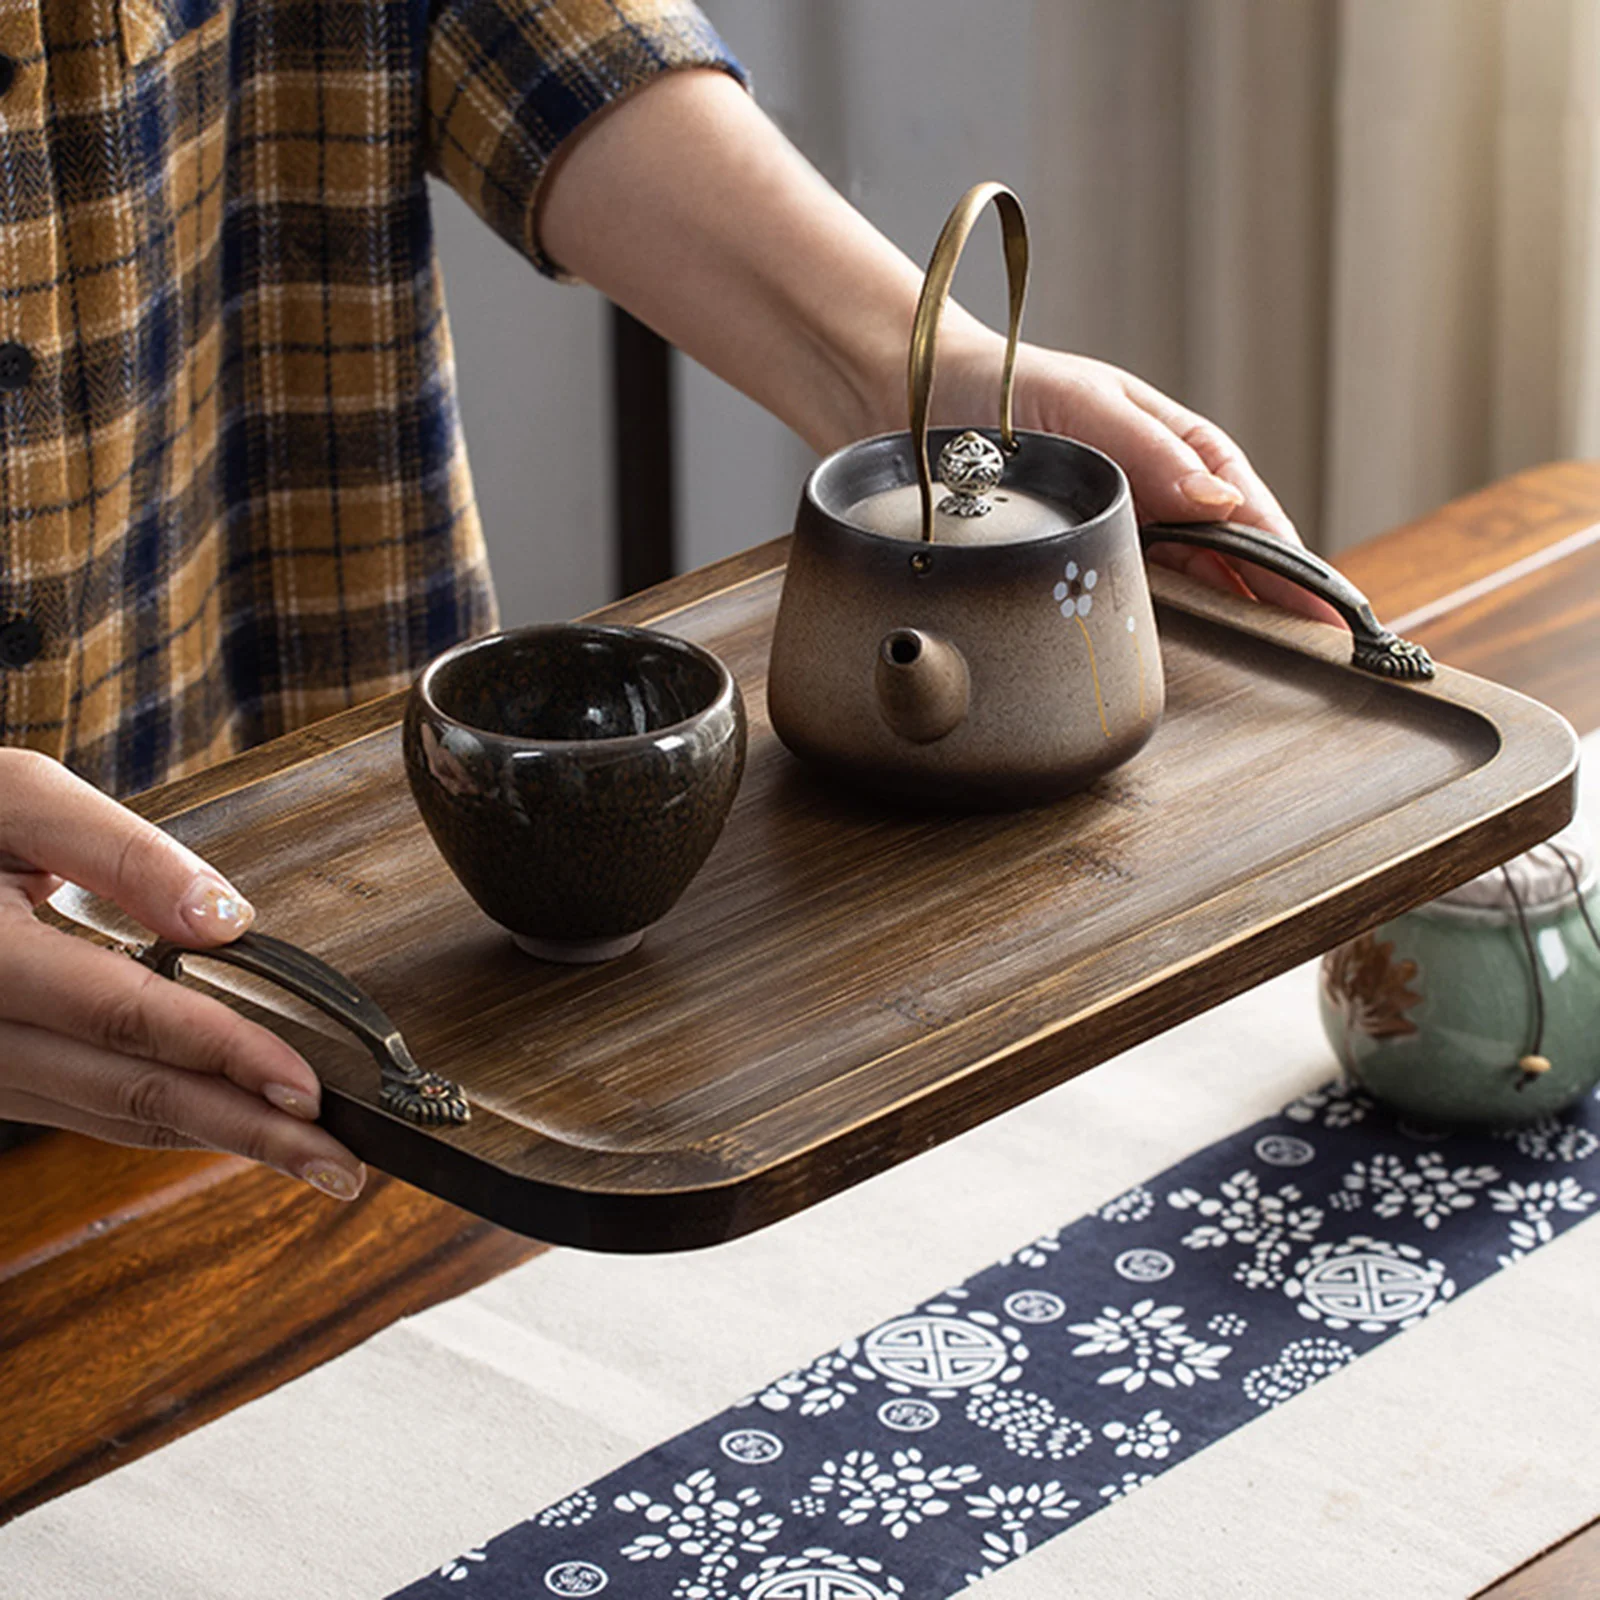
[{"x": 575, "y": 777}]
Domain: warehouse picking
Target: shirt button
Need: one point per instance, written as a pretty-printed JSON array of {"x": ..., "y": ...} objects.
[
  {"x": 21, "y": 640},
  {"x": 8, "y": 73},
  {"x": 16, "y": 365}
]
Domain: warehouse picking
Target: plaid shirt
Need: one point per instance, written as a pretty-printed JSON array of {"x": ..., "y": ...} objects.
[{"x": 234, "y": 491}]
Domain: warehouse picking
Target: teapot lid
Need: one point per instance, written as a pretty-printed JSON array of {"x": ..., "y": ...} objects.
[{"x": 975, "y": 510}]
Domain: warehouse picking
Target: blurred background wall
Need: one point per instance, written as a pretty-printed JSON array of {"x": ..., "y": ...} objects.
[{"x": 1362, "y": 235}]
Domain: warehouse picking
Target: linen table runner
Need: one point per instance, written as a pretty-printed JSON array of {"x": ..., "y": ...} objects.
[{"x": 947, "y": 1442}]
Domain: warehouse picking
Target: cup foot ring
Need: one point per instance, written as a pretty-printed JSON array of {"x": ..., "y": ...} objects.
[{"x": 578, "y": 952}]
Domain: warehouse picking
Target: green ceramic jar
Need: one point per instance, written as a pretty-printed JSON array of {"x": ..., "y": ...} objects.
[{"x": 1438, "y": 1013}]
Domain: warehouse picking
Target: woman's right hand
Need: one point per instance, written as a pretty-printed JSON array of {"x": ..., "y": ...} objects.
[{"x": 94, "y": 1042}]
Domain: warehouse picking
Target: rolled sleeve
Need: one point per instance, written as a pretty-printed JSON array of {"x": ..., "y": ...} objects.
[{"x": 509, "y": 81}]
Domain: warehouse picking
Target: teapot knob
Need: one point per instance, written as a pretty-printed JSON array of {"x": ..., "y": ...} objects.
[{"x": 969, "y": 467}]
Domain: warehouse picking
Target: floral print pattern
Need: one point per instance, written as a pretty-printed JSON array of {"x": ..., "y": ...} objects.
[
  {"x": 1428, "y": 1189},
  {"x": 1159, "y": 1351},
  {"x": 1243, "y": 1213},
  {"x": 952, "y": 1441},
  {"x": 1075, "y": 594}
]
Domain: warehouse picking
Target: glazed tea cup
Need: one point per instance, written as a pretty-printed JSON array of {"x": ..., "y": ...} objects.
[{"x": 575, "y": 777}]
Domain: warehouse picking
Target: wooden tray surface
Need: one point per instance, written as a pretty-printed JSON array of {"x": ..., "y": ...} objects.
[{"x": 844, "y": 984}]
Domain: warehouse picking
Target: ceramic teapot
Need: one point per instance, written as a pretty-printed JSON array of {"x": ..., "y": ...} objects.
[{"x": 998, "y": 646}]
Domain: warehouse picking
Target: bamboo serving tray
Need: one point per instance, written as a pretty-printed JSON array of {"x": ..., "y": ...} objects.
[{"x": 846, "y": 984}]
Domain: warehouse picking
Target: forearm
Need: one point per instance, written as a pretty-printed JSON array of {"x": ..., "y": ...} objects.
[{"x": 688, "y": 207}]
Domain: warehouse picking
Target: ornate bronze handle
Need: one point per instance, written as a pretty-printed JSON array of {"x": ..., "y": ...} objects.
[
  {"x": 1376, "y": 648},
  {"x": 930, "y": 307},
  {"x": 406, "y": 1088}
]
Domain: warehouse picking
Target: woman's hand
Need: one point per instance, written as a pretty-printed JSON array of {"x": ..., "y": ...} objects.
[
  {"x": 92, "y": 1041},
  {"x": 1180, "y": 467}
]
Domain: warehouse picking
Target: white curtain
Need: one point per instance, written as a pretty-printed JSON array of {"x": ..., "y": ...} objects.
[{"x": 1364, "y": 235}]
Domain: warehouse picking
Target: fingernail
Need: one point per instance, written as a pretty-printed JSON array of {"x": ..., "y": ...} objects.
[
  {"x": 1206, "y": 489},
  {"x": 336, "y": 1182},
  {"x": 214, "y": 909},
  {"x": 290, "y": 1100}
]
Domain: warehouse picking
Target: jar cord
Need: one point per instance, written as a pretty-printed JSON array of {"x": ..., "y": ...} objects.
[
  {"x": 1534, "y": 1063},
  {"x": 1577, "y": 889},
  {"x": 1526, "y": 1065}
]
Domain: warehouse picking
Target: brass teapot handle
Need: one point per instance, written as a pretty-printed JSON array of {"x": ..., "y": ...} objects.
[{"x": 930, "y": 307}]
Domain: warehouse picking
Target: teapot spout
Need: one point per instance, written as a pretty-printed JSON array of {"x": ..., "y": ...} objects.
[{"x": 923, "y": 685}]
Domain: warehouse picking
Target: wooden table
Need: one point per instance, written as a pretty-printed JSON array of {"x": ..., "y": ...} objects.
[{"x": 142, "y": 1294}]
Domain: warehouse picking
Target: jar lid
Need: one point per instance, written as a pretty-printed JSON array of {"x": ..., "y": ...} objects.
[{"x": 1542, "y": 878}]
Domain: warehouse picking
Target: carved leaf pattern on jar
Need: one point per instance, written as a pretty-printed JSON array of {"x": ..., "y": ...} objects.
[{"x": 1370, "y": 989}]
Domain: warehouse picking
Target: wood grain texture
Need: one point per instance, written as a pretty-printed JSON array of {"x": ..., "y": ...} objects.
[
  {"x": 108, "y": 1226},
  {"x": 63, "y": 1192},
  {"x": 164, "y": 1302},
  {"x": 1476, "y": 538},
  {"x": 1504, "y": 583},
  {"x": 1567, "y": 1571},
  {"x": 935, "y": 969}
]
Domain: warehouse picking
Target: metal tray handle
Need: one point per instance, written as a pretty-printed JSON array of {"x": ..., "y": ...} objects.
[
  {"x": 406, "y": 1089},
  {"x": 1377, "y": 649}
]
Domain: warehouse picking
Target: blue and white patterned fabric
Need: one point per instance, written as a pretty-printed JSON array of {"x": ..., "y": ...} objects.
[{"x": 945, "y": 1443}]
